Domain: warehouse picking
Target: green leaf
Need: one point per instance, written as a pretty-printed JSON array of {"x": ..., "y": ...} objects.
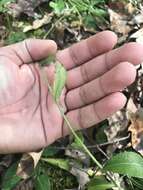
[
  {"x": 10, "y": 179},
  {"x": 138, "y": 183},
  {"x": 58, "y": 6},
  {"x": 100, "y": 134},
  {"x": 3, "y": 4},
  {"x": 99, "y": 183},
  {"x": 61, "y": 163},
  {"x": 76, "y": 144},
  {"x": 15, "y": 37},
  {"x": 49, "y": 151},
  {"x": 42, "y": 182},
  {"x": 126, "y": 163},
  {"x": 59, "y": 82},
  {"x": 47, "y": 61}
]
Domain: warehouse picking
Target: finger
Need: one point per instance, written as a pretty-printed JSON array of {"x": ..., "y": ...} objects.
[
  {"x": 94, "y": 113},
  {"x": 87, "y": 49},
  {"x": 112, "y": 81},
  {"x": 96, "y": 67},
  {"x": 29, "y": 50}
]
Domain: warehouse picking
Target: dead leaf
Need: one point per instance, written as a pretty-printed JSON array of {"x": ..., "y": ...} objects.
[
  {"x": 138, "y": 19},
  {"x": 78, "y": 154},
  {"x": 130, "y": 8},
  {"x": 117, "y": 5},
  {"x": 27, "y": 164},
  {"x": 81, "y": 175},
  {"x": 6, "y": 160},
  {"x": 136, "y": 129},
  {"x": 138, "y": 35},
  {"x": 25, "y": 6},
  {"x": 25, "y": 185},
  {"x": 38, "y": 23},
  {"x": 131, "y": 107},
  {"x": 119, "y": 24}
]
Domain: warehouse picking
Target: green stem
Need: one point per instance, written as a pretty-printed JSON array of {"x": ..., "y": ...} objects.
[
  {"x": 84, "y": 146},
  {"x": 53, "y": 26},
  {"x": 79, "y": 140},
  {"x": 76, "y": 136},
  {"x": 72, "y": 130}
]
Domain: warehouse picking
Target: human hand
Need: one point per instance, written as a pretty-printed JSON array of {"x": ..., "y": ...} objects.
[{"x": 29, "y": 119}]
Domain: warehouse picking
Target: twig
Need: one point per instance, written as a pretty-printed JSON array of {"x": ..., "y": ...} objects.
[
  {"x": 53, "y": 26},
  {"x": 96, "y": 145}
]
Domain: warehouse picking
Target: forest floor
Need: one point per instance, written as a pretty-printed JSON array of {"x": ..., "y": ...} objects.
[{"x": 67, "y": 166}]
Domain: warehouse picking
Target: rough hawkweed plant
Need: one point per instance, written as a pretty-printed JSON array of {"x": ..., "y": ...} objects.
[{"x": 55, "y": 91}]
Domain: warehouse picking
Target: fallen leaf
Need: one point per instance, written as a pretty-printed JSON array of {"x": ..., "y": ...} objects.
[
  {"x": 117, "y": 5},
  {"x": 25, "y": 6},
  {"x": 130, "y": 8},
  {"x": 131, "y": 107},
  {"x": 38, "y": 23},
  {"x": 27, "y": 164},
  {"x": 118, "y": 23},
  {"x": 81, "y": 175},
  {"x": 136, "y": 129},
  {"x": 138, "y": 35},
  {"x": 138, "y": 19},
  {"x": 25, "y": 185},
  {"x": 78, "y": 154}
]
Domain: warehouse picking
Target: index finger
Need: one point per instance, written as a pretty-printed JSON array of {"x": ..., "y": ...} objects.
[{"x": 85, "y": 50}]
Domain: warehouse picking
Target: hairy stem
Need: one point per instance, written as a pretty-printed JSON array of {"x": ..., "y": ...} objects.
[{"x": 74, "y": 133}]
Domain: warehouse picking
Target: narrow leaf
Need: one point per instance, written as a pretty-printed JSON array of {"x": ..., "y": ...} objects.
[
  {"x": 99, "y": 183},
  {"x": 42, "y": 182},
  {"x": 49, "y": 60},
  {"x": 61, "y": 163},
  {"x": 10, "y": 179},
  {"x": 126, "y": 163},
  {"x": 59, "y": 82}
]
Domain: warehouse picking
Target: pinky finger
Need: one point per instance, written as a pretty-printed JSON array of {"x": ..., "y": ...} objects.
[{"x": 94, "y": 113}]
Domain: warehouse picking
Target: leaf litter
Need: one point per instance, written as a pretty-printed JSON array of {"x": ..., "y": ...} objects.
[{"x": 126, "y": 19}]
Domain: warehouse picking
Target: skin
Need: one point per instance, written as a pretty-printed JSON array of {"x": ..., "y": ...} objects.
[{"x": 97, "y": 74}]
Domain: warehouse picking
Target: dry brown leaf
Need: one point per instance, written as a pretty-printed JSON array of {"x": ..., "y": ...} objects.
[
  {"x": 38, "y": 23},
  {"x": 25, "y": 6},
  {"x": 25, "y": 185},
  {"x": 130, "y": 8},
  {"x": 81, "y": 175},
  {"x": 131, "y": 107},
  {"x": 138, "y": 36},
  {"x": 118, "y": 23},
  {"x": 27, "y": 164},
  {"x": 136, "y": 129},
  {"x": 117, "y": 5}
]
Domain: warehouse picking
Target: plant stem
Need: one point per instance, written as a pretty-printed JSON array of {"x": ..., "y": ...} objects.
[
  {"x": 52, "y": 27},
  {"x": 74, "y": 133},
  {"x": 71, "y": 129},
  {"x": 79, "y": 140},
  {"x": 84, "y": 146}
]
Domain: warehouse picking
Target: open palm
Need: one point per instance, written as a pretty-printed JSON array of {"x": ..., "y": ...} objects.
[{"x": 30, "y": 120}]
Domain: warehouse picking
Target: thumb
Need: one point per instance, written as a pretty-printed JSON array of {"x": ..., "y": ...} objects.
[{"x": 30, "y": 50}]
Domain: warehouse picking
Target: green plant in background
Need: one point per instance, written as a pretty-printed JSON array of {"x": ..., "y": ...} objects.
[
  {"x": 89, "y": 12},
  {"x": 14, "y": 37},
  {"x": 3, "y": 3}
]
